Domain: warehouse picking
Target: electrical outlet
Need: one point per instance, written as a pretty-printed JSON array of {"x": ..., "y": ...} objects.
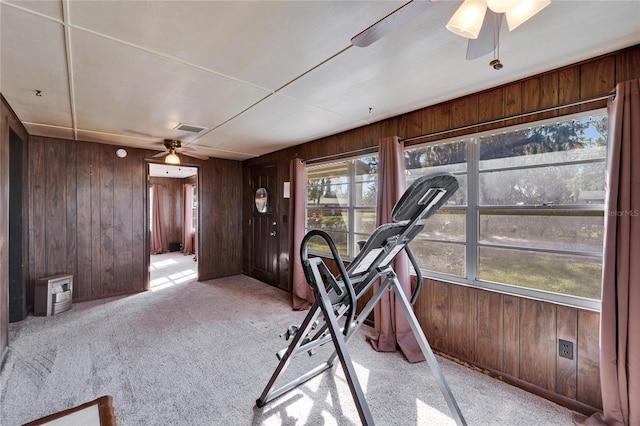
[{"x": 565, "y": 349}]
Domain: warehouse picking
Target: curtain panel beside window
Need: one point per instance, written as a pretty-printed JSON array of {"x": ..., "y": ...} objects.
[
  {"x": 158, "y": 228},
  {"x": 620, "y": 315},
  {"x": 391, "y": 325},
  {"x": 301, "y": 292},
  {"x": 187, "y": 212}
]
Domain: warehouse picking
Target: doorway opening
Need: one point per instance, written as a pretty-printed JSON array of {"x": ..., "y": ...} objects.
[{"x": 173, "y": 225}]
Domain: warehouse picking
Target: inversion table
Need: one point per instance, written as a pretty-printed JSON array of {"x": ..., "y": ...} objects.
[{"x": 336, "y": 296}]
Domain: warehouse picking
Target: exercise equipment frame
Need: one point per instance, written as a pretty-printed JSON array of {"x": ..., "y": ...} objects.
[{"x": 337, "y": 297}]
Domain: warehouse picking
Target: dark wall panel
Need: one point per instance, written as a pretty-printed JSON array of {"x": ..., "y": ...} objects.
[
  {"x": 490, "y": 332},
  {"x": 10, "y": 125},
  {"x": 221, "y": 219},
  {"x": 88, "y": 212}
]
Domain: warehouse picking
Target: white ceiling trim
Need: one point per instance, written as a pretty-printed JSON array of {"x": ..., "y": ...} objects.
[
  {"x": 34, "y": 12},
  {"x": 67, "y": 47}
]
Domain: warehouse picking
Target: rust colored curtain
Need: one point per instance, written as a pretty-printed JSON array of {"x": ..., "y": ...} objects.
[
  {"x": 620, "y": 313},
  {"x": 158, "y": 228},
  {"x": 391, "y": 326},
  {"x": 301, "y": 292},
  {"x": 187, "y": 212}
]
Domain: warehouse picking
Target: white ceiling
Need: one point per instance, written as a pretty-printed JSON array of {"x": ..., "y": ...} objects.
[{"x": 262, "y": 75}]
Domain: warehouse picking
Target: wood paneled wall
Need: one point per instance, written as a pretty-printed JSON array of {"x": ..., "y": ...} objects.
[
  {"x": 511, "y": 337},
  {"x": 516, "y": 339},
  {"x": 87, "y": 210},
  {"x": 87, "y": 215},
  {"x": 8, "y": 123},
  {"x": 220, "y": 218}
]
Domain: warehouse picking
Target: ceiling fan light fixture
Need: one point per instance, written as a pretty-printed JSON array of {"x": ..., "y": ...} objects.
[
  {"x": 501, "y": 6},
  {"x": 467, "y": 20},
  {"x": 172, "y": 158},
  {"x": 522, "y": 12}
]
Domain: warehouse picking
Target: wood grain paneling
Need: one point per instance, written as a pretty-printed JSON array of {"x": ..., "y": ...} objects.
[
  {"x": 88, "y": 213},
  {"x": 464, "y": 112},
  {"x": 627, "y": 65},
  {"x": 588, "y": 387},
  {"x": 567, "y": 329},
  {"x": 569, "y": 89},
  {"x": 221, "y": 200},
  {"x": 72, "y": 208},
  {"x": 409, "y": 124},
  {"x": 490, "y": 333},
  {"x": 538, "y": 343},
  {"x": 122, "y": 224},
  {"x": 82, "y": 287},
  {"x": 139, "y": 230},
  {"x": 439, "y": 315},
  {"x": 490, "y": 107},
  {"x": 538, "y": 93},
  {"x": 512, "y": 103},
  {"x": 463, "y": 308},
  {"x": 511, "y": 329},
  {"x": 597, "y": 77}
]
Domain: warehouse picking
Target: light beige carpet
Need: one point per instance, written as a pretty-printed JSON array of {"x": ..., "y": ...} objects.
[{"x": 201, "y": 353}]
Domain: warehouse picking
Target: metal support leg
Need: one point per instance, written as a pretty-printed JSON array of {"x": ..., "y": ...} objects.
[
  {"x": 305, "y": 327},
  {"x": 428, "y": 353},
  {"x": 340, "y": 338},
  {"x": 347, "y": 365}
]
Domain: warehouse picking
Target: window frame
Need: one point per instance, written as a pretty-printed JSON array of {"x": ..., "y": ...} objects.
[
  {"x": 351, "y": 208},
  {"x": 474, "y": 209}
]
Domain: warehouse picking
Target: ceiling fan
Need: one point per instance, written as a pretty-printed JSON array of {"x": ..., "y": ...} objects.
[
  {"x": 478, "y": 20},
  {"x": 174, "y": 147}
]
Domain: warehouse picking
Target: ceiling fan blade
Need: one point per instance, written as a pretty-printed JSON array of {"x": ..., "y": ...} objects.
[
  {"x": 395, "y": 19},
  {"x": 486, "y": 41},
  {"x": 160, "y": 154}
]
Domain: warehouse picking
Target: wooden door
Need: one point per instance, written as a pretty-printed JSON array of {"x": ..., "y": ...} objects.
[{"x": 264, "y": 225}]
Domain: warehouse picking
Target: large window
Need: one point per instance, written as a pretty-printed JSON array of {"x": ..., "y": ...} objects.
[
  {"x": 194, "y": 209},
  {"x": 441, "y": 247},
  {"x": 529, "y": 215},
  {"x": 341, "y": 200}
]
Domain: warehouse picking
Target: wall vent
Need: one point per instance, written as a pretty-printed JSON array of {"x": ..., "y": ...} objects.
[{"x": 189, "y": 128}]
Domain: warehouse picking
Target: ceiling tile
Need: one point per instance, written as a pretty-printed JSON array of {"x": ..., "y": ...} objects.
[
  {"x": 266, "y": 43},
  {"x": 128, "y": 90},
  {"x": 273, "y": 124},
  {"x": 50, "y": 8},
  {"x": 34, "y": 58}
]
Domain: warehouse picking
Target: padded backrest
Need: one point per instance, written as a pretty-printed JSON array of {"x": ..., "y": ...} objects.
[
  {"x": 423, "y": 197},
  {"x": 428, "y": 193}
]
